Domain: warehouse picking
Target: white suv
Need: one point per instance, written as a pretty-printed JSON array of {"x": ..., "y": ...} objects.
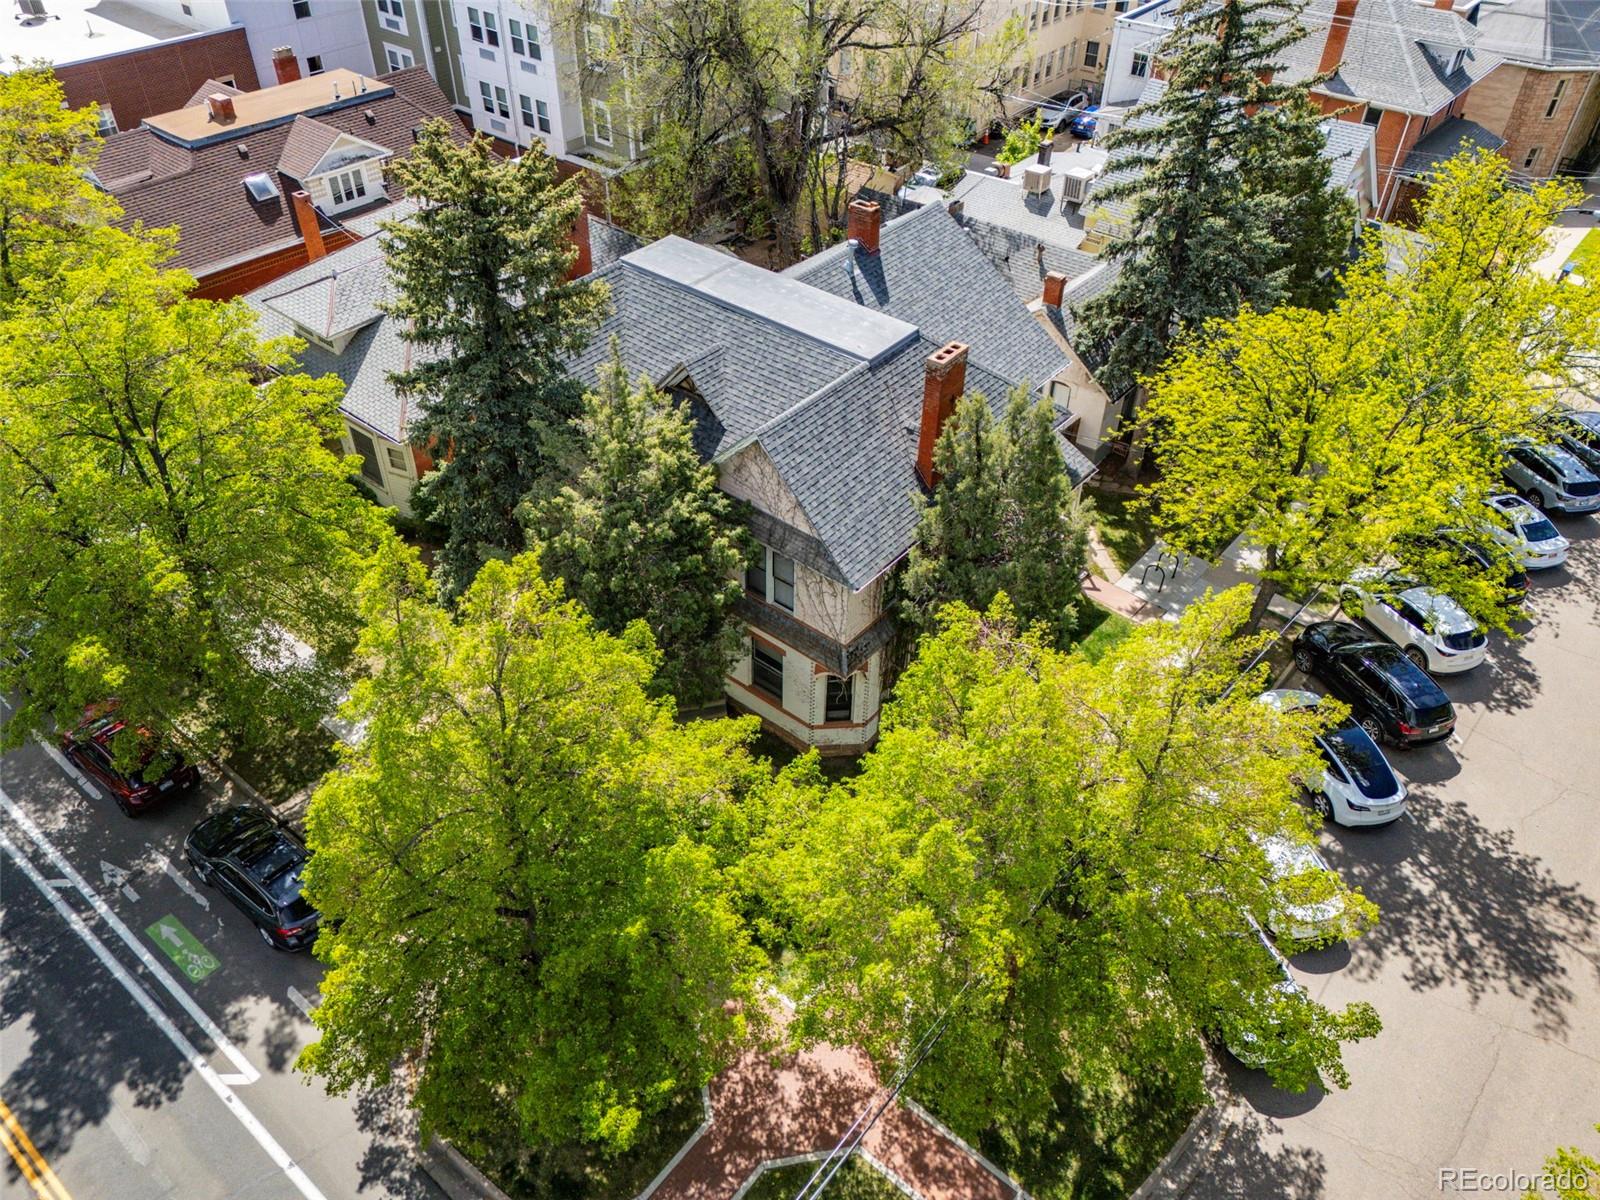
[
  {"x": 1433, "y": 630},
  {"x": 1527, "y": 533}
]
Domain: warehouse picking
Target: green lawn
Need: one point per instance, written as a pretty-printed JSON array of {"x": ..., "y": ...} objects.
[
  {"x": 1099, "y": 629},
  {"x": 1125, "y": 533},
  {"x": 855, "y": 1181},
  {"x": 1586, "y": 257}
]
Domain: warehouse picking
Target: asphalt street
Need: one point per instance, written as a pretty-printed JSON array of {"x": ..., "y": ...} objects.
[
  {"x": 1486, "y": 965},
  {"x": 147, "y": 1034}
]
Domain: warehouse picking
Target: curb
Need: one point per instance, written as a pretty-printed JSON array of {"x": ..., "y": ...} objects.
[
  {"x": 1176, "y": 1171},
  {"x": 688, "y": 1145},
  {"x": 454, "y": 1174}
]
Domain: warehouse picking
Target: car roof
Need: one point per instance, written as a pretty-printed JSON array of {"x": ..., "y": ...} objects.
[
  {"x": 1447, "y": 615},
  {"x": 1289, "y": 699},
  {"x": 224, "y": 832},
  {"x": 1588, "y": 418},
  {"x": 1567, "y": 462},
  {"x": 1342, "y": 635},
  {"x": 1415, "y": 684}
]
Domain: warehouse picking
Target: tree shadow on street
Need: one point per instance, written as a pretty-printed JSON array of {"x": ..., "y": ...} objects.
[{"x": 1242, "y": 1166}]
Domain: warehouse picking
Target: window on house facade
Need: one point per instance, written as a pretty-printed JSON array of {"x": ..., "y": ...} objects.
[
  {"x": 766, "y": 671},
  {"x": 108, "y": 121},
  {"x": 348, "y": 186},
  {"x": 486, "y": 94},
  {"x": 397, "y": 458},
  {"x": 1555, "y": 99},
  {"x": 502, "y": 101},
  {"x": 398, "y": 60},
  {"x": 839, "y": 704},
  {"x": 1050, "y": 64},
  {"x": 367, "y": 452},
  {"x": 302, "y": 9},
  {"x": 1141, "y": 65},
  {"x": 313, "y": 64},
  {"x": 393, "y": 8},
  {"x": 771, "y": 577},
  {"x": 1091, "y": 54},
  {"x": 1372, "y": 116},
  {"x": 600, "y": 117},
  {"x": 1531, "y": 159},
  {"x": 755, "y": 575},
  {"x": 525, "y": 39},
  {"x": 782, "y": 581},
  {"x": 543, "y": 110}
]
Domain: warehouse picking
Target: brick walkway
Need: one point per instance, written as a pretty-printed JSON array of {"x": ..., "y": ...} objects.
[{"x": 762, "y": 1111}]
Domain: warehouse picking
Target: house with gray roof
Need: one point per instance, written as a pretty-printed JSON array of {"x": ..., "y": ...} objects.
[{"x": 818, "y": 393}]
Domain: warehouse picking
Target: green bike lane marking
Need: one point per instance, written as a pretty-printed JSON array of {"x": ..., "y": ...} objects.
[{"x": 181, "y": 946}]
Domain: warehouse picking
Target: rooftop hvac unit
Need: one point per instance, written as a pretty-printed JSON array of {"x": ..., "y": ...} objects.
[
  {"x": 1036, "y": 180},
  {"x": 1075, "y": 183}
]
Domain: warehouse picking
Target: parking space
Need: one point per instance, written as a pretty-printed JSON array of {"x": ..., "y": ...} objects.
[{"x": 1486, "y": 965}]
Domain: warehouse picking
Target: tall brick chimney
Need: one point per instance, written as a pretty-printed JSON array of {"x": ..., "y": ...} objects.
[
  {"x": 1344, "y": 12},
  {"x": 1444, "y": 4},
  {"x": 221, "y": 106},
  {"x": 864, "y": 220},
  {"x": 285, "y": 64},
  {"x": 944, "y": 379},
  {"x": 305, "y": 216},
  {"x": 1055, "y": 287}
]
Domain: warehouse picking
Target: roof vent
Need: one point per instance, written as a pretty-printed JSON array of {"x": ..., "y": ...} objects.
[
  {"x": 244, "y": 149},
  {"x": 372, "y": 117},
  {"x": 336, "y": 89}
]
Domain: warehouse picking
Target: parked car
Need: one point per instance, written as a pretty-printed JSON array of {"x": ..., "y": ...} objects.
[
  {"x": 1390, "y": 697},
  {"x": 1356, "y": 785},
  {"x": 926, "y": 175},
  {"x": 1082, "y": 125},
  {"x": 1482, "y": 554},
  {"x": 1528, "y": 533},
  {"x": 247, "y": 855},
  {"x": 1257, "y": 1040},
  {"x": 1431, "y": 629},
  {"x": 1577, "y": 431},
  {"x": 1319, "y": 915},
  {"x": 1551, "y": 478},
  {"x": 157, "y": 771}
]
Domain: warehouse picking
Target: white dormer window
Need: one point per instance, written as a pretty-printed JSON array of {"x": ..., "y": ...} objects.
[{"x": 348, "y": 187}]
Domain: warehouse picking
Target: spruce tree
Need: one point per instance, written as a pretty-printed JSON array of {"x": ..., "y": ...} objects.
[
  {"x": 1212, "y": 182},
  {"x": 646, "y": 534},
  {"x": 1003, "y": 518},
  {"x": 481, "y": 282}
]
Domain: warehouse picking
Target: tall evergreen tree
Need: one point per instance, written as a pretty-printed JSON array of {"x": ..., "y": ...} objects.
[
  {"x": 1002, "y": 519},
  {"x": 646, "y": 534},
  {"x": 481, "y": 282},
  {"x": 1212, "y": 183}
]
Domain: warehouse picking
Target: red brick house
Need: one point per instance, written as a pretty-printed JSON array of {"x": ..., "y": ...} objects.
[{"x": 131, "y": 85}]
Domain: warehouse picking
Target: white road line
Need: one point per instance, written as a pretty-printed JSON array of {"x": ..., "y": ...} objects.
[
  {"x": 77, "y": 776},
  {"x": 131, "y": 940},
  {"x": 182, "y": 881},
  {"x": 114, "y": 876},
  {"x": 195, "y": 1059},
  {"x": 301, "y": 1001}
]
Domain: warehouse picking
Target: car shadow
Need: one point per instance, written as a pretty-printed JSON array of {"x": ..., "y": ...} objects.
[
  {"x": 1460, "y": 905},
  {"x": 1325, "y": 960}
]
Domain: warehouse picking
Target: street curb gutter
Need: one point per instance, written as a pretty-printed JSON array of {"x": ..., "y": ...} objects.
[
  {"x": 1175, "y": 1172},
  {"x": 457, "y": 1177}
]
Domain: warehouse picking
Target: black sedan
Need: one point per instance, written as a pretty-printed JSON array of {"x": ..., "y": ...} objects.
[
  {"x": 1392, "y": 698},
  {"x": 247, "y": 855}
]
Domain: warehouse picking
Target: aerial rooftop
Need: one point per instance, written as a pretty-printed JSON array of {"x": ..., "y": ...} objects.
[{"x": 74, "y": 30}]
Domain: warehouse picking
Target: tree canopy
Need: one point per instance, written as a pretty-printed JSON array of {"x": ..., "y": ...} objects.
[
  {"x": 1333, "y": 439},
  {"x": 481, "y": 282},
  {"x": 1003, "y": 518},
  {"x": 1060, "y": 856},
  {"x": 1223, "y": 191},
  {"x": 645, "y": 533},
  {"x": 523, "y": 868}
]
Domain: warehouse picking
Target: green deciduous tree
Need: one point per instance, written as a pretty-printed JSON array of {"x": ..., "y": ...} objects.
[
  {"x": 1569, "y": 1174},
  {"x": 168, "y": 519},
  {"x": 523, "y": 868},
  {"x": 1330, "y": 439},
  {"x": 1059, "y": 855},
  {"x": 646, "y": 534},
  {"x": 480, "y": 276},
  {"x": 46, "y": 153},
  {"x": 1003, "y": 518},
  {"x": 1223, "y": 201}
]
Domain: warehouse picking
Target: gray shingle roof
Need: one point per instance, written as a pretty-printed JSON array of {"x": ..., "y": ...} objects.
[
  {"x": 1447, "y": 141},
  {"x": 608, "y": 242},
  {"x": 1346, "y": 144}
]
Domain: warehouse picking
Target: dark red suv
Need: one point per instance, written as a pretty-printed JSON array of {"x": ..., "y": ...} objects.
[{"x": 159, "y": 773}]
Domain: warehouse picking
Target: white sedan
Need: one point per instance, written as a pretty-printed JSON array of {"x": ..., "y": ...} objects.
[
  {"x": 1356, "y": 785},
  {"x": 1529, "y": 533},
  {"x": 1429, "y": 627},
  {"x": 1314, "y": 910}
]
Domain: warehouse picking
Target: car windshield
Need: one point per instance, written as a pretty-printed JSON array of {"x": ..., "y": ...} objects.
[
  {"x": 1538, "y": 530},
  {"x": 1362, "y": 761}
]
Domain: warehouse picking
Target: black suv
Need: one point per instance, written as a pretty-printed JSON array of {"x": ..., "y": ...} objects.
[
  {"x": 1476, "y": 554},
  {"x": 256, "y": 863},
  {"x": 1392, "y": 698}
]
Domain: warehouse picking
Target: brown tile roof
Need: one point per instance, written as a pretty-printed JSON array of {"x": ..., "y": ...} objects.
[
  {"x": 309, "y": 140},
  {"x": 201, "y": 190}
]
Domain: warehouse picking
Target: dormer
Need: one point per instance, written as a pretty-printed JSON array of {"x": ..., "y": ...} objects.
[
  {"x": 340, "y": 170},
  {"x": 330, "y": 310},
  {"x": 1447, "y": 59}
]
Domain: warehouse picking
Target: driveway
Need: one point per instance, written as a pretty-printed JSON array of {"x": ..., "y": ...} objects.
[{"x": 1486, "y": 966}]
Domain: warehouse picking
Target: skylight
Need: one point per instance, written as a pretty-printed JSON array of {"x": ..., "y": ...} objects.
[{"x": 260, "y": 186}]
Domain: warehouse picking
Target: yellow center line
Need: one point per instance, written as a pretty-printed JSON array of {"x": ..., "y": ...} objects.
[{"x": 28, "y": 1159}]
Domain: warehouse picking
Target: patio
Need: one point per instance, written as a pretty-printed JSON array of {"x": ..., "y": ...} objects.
[{"x": 1167, "y": 582}]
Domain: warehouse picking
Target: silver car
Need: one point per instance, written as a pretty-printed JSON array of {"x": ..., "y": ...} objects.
[
  {"x": 1551, "y": 477},
  {"x": 1356, "y": 785},
  {"x": 1527, "y": 533},
  {"x": 1432, "y": 629}
]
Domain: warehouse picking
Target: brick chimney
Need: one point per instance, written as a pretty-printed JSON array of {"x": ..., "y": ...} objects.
[
  {"x": 221, "y": 106},
  {"x": 285, "y": 64},
  {"x": 865, "y": 218},
  {"x": 579, "y": 237},
  {"x": 1447, "y": 5},
  {"x": 944, "y": 379},
  {"x": 1055, "y": 287},
  {"x": 1344, "y": 12},
  {"x": 305, "y": 216}
]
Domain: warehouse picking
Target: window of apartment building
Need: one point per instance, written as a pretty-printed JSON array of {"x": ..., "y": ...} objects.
[
  {"x": 393, "y": 8},
  {"x": 398, "y": 60},
  {"x": 839, "y": 704},
  {"x": 543, "y": 110},
  {"x": 486, "y": 94},
  {"x": 600, "y": 117},
  {"x": 482, "y": 27},
  {"x": 1050, "y": 64},
  {"x": 348, "y": 186},
  {"x": 1091, "y": 54},
  {"x": 502, "y": 101},
  {"x": 108, "y": 121},
  {"x": 313, "y": 64},
  {"x": 535, "y": 113},
  {"x": 302, "y": 9},
  {"x": 771, "y": 577},
  {"x": 367, "y": 452},
  {"x": 1531, "y": 159},
  {"x": 1038, "y": 69},
  {"x": 1033, "y": 16},
  {"x": 766, "y": 671},
  {"x": 1120, "y": 6},
  {"x": 1141, "y": 65},
  {"x": 525, "y": 39},
  {"x": 1555, "y": 99}
]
